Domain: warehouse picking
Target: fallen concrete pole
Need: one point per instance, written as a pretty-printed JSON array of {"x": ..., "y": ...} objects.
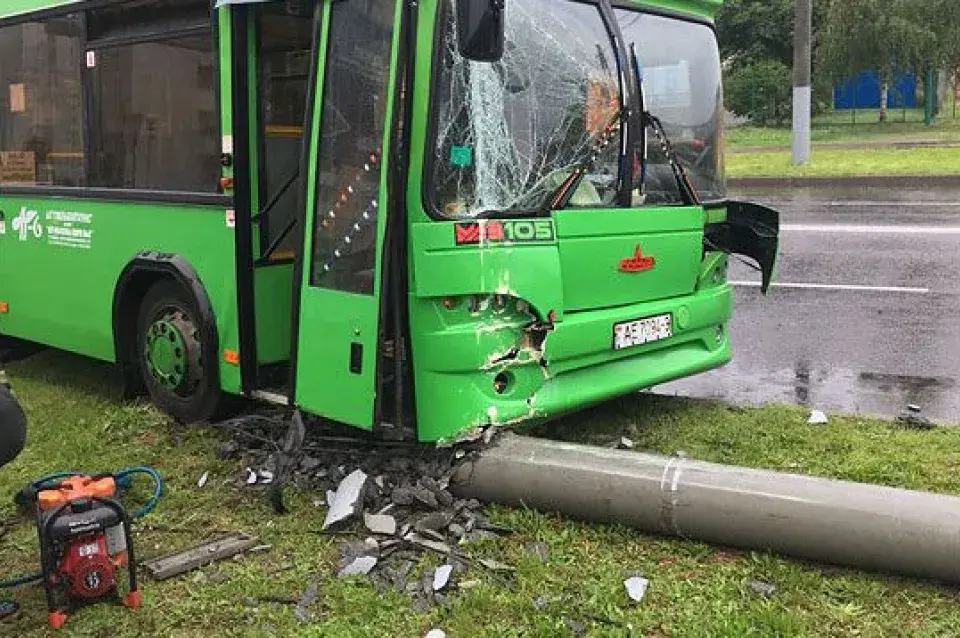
[{"x": 865, "y": 526}]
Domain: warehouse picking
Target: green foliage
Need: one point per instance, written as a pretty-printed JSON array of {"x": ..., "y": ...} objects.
[
  {"x": 862, "y": 35},
  {"x": 751, "y": 31},
  {"x": 761, "y": 91}
]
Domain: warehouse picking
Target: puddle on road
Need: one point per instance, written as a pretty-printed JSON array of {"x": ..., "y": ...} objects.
[{"x": 825, "y": 388}]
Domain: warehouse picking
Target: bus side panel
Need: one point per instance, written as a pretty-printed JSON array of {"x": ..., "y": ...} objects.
[
  {"x": 60, "y": 261},
  {"x": 273, "y": 299}
]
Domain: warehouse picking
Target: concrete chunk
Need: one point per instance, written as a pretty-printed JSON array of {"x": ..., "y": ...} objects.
[
  {"x": 441, "y": 577},
  {"x": 380, "y": 524},
  {"x": 636, "y": 588},
  {"x": 346, "y": 500},
  {"x": 359, "y": 566}
]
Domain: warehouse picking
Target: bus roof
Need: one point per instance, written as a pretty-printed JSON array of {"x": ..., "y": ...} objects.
[{"x": 705, "y": 9}]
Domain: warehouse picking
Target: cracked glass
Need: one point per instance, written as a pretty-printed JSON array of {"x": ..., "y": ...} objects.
[{"x": 509, "y": 133}]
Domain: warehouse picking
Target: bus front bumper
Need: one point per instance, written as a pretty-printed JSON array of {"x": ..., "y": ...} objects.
[{"x": 574, "y": 367}]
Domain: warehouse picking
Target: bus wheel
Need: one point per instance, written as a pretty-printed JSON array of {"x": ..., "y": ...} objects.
[{"x": 177, "y": 367}]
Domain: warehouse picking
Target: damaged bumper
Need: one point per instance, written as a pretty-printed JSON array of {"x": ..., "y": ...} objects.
[{"x": 533, "y": 374}]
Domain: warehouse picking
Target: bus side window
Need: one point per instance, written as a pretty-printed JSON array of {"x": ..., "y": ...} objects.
[
  {"x": 41, "y": 103},
  {"x": 154, "y": 111}
]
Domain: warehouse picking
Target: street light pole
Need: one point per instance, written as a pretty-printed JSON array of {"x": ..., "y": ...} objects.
[{"x": 802, "y": 94}]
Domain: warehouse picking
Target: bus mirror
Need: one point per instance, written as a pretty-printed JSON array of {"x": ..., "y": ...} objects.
[{"x": 480, "y": 29}]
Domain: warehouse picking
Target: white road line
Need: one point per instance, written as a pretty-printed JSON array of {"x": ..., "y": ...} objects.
[
  {"x": 866, "y": 229},
  {"x": 847, "y": 287},
  {"x": 861, "y": 204}
]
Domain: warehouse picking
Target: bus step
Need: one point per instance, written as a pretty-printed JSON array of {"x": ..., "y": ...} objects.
[{"x": 268, "y": 396}]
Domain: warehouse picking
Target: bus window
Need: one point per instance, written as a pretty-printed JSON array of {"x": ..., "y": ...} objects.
[
  {"x": 41, "y": 103},
  {"x": 284, "y": 41},
  {"x": 155, "y": 122},
  {"x": 351, "y": 135}
]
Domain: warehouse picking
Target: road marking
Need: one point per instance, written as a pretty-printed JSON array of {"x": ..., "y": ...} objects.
[
  {"x": 846, "y": 287},
  {"x": 866, "y": 229},
  {"x": 863, "y": 204}
]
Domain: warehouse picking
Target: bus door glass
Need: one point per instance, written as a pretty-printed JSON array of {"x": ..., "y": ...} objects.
[
  {"x": 341, "y": 275},
  {"x": 284, "y": 38}
]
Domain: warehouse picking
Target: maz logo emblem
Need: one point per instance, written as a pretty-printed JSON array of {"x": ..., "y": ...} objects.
[{"x": 637, "y": 263}]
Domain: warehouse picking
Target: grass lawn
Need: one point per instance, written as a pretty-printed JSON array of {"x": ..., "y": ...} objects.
[
  {"x": 838, "y": 127},
  {"x": 844, "y": 163},
  {"x": 695, "y": 590}
]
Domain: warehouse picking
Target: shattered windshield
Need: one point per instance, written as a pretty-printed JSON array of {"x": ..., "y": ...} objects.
[
  {"x": 680, "y": 66},
  {"x": 509, "y": 133}
]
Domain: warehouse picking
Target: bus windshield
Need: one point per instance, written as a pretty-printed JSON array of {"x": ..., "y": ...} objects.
[
  {"x": 509, "y": 133},
  {"x": 506, "y": 134}
]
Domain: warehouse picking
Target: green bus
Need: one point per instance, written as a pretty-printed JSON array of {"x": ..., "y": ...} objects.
[{"x": 416, "y": 217}]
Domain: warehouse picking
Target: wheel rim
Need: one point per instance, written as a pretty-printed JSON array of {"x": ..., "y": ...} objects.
[{"x": 171, "y": 352}]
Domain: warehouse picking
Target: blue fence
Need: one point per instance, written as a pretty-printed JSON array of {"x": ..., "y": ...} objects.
[{"x": 863, "y": 92}]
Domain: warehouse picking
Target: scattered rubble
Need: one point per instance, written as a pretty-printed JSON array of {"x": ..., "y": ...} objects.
[
  {"x": 200, "y": 555},
  {"x": 361, "y": 565},
  {"x": 767, "y": 590},
  {"x": 346, "y": 500},
  {"x": 382, "y": 524},
  {"x": 817, "y": 417},
  {"x": 539, "y": 549},
  {"x": 636, "y": 587},
  {"x": 203, "y": 479},
  {"x": 441, "y": 577}
]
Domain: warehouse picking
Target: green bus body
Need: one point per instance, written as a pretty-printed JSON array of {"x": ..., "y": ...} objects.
[{"x": 441, "y": 324}]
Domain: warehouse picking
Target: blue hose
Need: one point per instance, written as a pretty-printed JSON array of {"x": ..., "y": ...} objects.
[{"x": 124, "y": 480}]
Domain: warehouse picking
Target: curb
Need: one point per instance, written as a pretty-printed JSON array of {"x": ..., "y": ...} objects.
[{"x": 889, "y": 181}]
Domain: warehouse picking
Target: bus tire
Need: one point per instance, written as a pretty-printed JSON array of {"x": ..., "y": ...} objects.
[{"x": 178, "y": 368}]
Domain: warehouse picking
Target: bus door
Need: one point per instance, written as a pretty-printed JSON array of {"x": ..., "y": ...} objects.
[
  {"x": 341, "y": 262},
  {"x": 278, "y": 54}
]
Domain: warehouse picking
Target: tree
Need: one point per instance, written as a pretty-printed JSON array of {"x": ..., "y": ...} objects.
[
  {"x": 753, "y": 35},
  {"x": 886, "y": 36},
  {"x": 762, "y": 92}
]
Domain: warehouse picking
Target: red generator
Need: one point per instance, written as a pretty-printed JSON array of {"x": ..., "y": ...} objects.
[{"x": 84, "y": 541}]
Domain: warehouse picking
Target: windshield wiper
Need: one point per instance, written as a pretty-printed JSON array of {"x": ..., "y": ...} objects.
[
  {"x": 687, "y": 190},
  {"x": 560, "y": 197}
]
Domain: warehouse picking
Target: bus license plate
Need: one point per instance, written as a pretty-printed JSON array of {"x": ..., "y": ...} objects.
[{"x": 628, "y": 334}]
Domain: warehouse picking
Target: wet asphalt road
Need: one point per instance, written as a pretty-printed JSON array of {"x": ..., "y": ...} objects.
[{"x": 866, "y": 314}]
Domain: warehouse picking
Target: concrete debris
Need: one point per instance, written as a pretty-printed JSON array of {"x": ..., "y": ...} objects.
[
  {"x": 380, "y": 524},
  {"x": 200, "y": 555},
  {"x": 436, "y": 633},
  {"x": 308, "y": 598},
  {"x": 496, "y": 566},
  {"x": 265, "y": 477},
  {"x": 539, "y": 549},
  {"x": 435, "y": 522},
  {"x": 203, "y": 479},
  {"x": 346, "y": 500},
  {"x": 767, "y": 590},
  {"x": 441, "y": 577},
  {"x": 913, "y": 407},
  {"x": 426, "y": 543},
  {"x": 251, "y": 476},
  {"x": 359, "y": 566},
  {"x": 397, "y": 493},
  {"x": 915, "y": 422},
  {"x": 817, "y": 418},
  {"x": 577, "y": 627},
  {"x": 636, "y": 588},
  {"x": 625, "y": 443}
]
